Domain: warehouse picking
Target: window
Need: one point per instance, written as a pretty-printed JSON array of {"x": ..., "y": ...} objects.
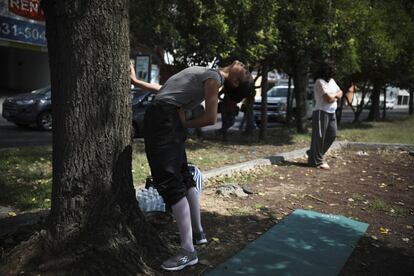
[{"x": 278, "y": 92}]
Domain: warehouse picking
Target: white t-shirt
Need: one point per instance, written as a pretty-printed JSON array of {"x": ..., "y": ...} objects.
[{"x": 322, "y": 87}]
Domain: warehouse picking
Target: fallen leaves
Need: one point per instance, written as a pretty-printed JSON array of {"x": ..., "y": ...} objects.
[
  {"x": 215, "y": 239},
  {"x": 384, "y": 231},
  {"x": 316, "y": 198}
]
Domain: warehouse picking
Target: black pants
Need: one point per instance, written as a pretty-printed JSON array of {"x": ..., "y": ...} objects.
[
  {"x": 164, "y": 137},
  {"x": 323, "y": 135}
]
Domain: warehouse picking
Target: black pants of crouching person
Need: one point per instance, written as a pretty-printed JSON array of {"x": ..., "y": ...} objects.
[{"x": 164, "y": 137}]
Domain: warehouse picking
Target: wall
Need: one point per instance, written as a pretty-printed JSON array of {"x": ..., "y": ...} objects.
[{"x": 23, "y": 70}]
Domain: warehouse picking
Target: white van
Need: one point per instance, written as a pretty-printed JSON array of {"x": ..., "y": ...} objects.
[{"x": 277, "y": 103}]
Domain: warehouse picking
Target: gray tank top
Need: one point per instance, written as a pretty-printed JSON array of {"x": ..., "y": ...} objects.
[{"x": 186, "y": 88}]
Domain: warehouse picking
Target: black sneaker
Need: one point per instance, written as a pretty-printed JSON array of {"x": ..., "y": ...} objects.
[
  {"x": 199, "y": 238},
  {"x": 182, "y": 259}
]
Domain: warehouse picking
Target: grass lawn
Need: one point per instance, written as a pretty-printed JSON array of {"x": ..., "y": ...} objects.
[
  {"x": 401, "y": 132},
  {"x": 26, "y": 173}
]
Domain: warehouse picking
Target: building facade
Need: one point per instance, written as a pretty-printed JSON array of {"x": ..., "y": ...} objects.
[{"x": 24, "y": 61}]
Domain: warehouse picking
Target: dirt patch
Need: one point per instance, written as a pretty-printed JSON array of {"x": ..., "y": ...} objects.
[{"x": 376, "y": 187}]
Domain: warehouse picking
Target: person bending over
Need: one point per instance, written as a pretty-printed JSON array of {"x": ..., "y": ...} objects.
[{"x": 164, "y": 137}]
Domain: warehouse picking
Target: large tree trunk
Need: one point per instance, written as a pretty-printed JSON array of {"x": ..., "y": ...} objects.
[
  {"x": 249, "y": 116},
  {"x": 300, "y": 80},
  {"x": 361, "y": 105},
  {"x": 340, "y": 109},
  {"x": 374, "y": 113},
  {"x": 384, "y": 106},
  {"x": 289, "y": 102},
  {"x": 264, "y": 86},
  {"x": 95, "y": 226}
]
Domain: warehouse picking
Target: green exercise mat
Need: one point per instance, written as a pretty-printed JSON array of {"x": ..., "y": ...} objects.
[{"x": 304, "y": 243}]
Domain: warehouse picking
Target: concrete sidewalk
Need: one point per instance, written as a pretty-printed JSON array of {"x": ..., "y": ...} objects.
[{"x": 292, "y": 155}]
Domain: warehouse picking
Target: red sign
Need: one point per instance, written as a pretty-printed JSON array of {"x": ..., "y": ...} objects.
[{"x": 27, "y": 8}]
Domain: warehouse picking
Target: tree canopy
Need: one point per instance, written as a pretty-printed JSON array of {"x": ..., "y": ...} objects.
[{"x": 362, "y": 36}]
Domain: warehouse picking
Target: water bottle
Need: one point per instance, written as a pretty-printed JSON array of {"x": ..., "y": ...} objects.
[
  {"x": 149, "y": 200},
  {"x": 144, "y": 202}
]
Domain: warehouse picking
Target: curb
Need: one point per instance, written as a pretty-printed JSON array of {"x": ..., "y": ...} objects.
[
  {"x": 289, "y": 156},
  {"x": 362, "y": 145}
]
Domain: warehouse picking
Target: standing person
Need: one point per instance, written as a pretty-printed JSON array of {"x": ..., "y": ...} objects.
[
  {"x": 229, "y": 111},
  {"x": 248, "y": 119},
  {"x": 326, "y": 95},
  {"x": 164, "y": 136}
]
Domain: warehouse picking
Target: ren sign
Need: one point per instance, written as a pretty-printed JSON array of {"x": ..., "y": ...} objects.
[{"x": 27, "y": 8}]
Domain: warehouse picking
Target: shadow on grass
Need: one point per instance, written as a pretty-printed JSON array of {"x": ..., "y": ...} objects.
[
  {"x": 357, "y": 125},
  {"x": 29, "y": 155},
  {"x": 296, "y": 164},
  {"x": 371, "y": 124},
  {"x": 27, "y": 195},
  {"x": 25, "y": 181},
  {"x": 276, "y": 136}
]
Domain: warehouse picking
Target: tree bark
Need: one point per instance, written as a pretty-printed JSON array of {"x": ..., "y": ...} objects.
[
  {"x": 340, "y": 109},
  {"x": 289, "y": 102},
  {"x": 249, "y": 116},
  {"x": 361, "y": 105},
  {"x": 264, "y": 85},
  {"x": 300, "y": 81},
  {"x": 95, "y": 225},
  {"x": 374, "y": 113},
  {"x": 384, "y": 106}
]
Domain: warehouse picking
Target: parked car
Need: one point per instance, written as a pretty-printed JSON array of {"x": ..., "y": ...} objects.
[
  {"x": 389, "y": 104},
  {"x": 36, "y": 108},
  {"x": 31, "y": 108},
  {"x": 277, "y": 103}
]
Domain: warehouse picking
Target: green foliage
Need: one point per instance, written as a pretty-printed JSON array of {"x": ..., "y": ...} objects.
[
  {"x": 403, "y": 67},
  {"x": 253, "y": 25},
  {"x": 378, "y": 40},
  {"x": 196, "y": 31},
  {"x": 361, "y": 35}
]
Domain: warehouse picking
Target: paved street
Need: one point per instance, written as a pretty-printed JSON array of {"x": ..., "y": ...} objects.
[{"x": 14, "y": 136}]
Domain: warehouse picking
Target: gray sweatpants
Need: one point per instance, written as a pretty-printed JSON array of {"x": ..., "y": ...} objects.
[{"x": 323, "y": 135}]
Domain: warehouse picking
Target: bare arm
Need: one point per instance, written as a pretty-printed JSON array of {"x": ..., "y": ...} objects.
[
  {"x": 209, "y": 116},
  {"x": 152, "y": 87},
  {"x": 330, "y": 98}
]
